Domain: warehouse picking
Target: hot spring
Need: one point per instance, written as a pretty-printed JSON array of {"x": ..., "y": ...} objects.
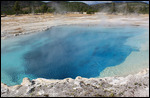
[{"x": 74, "y": 50}]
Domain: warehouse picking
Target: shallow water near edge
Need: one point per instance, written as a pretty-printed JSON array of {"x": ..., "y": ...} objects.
[{"x": 66, "y": 52}]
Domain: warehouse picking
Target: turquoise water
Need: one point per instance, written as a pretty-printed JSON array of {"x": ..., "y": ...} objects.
[{"x": 65, "y": 52}]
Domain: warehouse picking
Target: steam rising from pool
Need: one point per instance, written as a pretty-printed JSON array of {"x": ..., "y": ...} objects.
[{"x": 66, "y": 52}]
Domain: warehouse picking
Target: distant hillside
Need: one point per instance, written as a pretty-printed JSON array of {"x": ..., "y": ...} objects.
[
  {"x": 64, "y": 6},
  {"x": 136, "y": 7},
  {"x": 7, "y": 6}
]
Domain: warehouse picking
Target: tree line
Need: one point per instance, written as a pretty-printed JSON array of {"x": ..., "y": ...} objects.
[
  {"x": 130, "y": 9},
  {"x": 72, "y": 7}
]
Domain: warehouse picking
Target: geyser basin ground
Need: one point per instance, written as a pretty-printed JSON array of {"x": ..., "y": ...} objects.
[{"x": 71, "y": 51}]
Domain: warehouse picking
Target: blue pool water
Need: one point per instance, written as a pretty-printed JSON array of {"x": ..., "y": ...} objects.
[{"x": 65, "y": 52}]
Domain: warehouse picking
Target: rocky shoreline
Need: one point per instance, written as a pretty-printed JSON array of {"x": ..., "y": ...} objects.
[{"x": 136, "y": 85}]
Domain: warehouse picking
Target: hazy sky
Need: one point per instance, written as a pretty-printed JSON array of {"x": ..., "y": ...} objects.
[{"x": 95, "y": 2}]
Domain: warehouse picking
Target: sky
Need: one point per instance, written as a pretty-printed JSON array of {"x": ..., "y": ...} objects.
[{"x": 96, "y": 2}]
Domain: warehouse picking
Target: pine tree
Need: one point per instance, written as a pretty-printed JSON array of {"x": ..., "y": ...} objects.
[
  {"x": 16, "y": 7},
  {"x": 113, "y": 10},
  {"x": 129, "y": 9},
  {"x": 44, "y": 8}
]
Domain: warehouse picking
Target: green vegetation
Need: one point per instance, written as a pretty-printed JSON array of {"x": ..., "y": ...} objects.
[
  {"x": 44, "y": 8},
  {"x": 129, "y": 9},
  {"x": 144, "y": 10},
  {"x": 16, "y": 7},
  {"x": 122, "y": 7},
  {"x": 26, "y": 7},
  {"x": 113, "y": 9},
  {"x": 62, "y": 7},
  {"x": 90, "y": 11}
]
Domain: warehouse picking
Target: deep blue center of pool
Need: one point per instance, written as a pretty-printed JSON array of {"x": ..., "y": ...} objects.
[{"x": 65, "y": 52}]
